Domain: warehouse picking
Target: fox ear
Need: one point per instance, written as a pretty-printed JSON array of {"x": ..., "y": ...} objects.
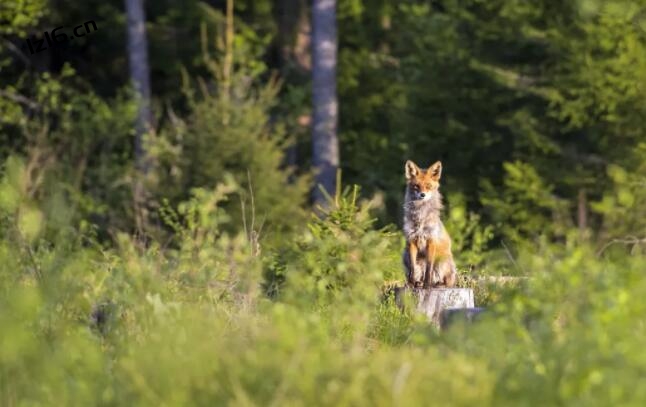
[
  {"x": 435, "y": 170},
  {"x": 411, "y": 169}
]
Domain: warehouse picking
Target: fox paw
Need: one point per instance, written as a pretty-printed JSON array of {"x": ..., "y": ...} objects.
[{"x": 414, "y": 284}]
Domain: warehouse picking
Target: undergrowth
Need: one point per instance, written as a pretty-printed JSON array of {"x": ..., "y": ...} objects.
[{"x": 203, "y": 319}]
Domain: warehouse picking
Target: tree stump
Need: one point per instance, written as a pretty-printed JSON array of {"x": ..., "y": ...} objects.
[{"x": 432, "y": 301}]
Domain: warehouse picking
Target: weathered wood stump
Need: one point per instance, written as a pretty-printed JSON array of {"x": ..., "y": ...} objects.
[{"x": 432, "y": 301}]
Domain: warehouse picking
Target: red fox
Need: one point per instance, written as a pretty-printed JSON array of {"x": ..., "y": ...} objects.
[{"x": 427, "y": 258}]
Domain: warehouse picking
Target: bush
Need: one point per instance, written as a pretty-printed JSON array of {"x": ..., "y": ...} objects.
[
  {"x": 339, "y": 255},
  {"x": 184, "y": 322},
  {"x": 229, "y": 131}
]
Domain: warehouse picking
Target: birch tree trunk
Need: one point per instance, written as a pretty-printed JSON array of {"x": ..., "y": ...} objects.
[
  {"x": 139, "y": 75},
  {"x": 325, "y": 145}
]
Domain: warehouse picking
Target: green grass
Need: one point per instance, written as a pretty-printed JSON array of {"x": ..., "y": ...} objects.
[{"x": 190, "y": 323}]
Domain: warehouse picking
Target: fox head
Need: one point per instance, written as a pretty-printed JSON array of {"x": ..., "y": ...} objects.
[{"x": 422, "y": 185}]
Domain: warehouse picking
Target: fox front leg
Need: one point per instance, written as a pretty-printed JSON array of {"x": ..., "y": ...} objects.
[
  {"x": 412, "y": 261},
  {"x": 430, "y": 276}
]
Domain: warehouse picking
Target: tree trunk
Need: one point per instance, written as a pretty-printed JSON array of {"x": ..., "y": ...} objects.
[
  {"x": 294, "y": 37},
  {"x": 294, "y": 49},
  {"x": 582, "y": 213},
  {"x": 431, "y": 302},
  {"x": 139, "y": 75},
  {"x": 325, "y": 146}
]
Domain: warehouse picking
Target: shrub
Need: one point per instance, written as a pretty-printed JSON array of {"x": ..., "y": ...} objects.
[{"x": 184, "y": 322}]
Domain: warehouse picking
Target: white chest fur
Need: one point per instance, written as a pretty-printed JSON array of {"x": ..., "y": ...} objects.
[
  {"x": 423, "y": 233},
  {"x": 422, "y": 223}
]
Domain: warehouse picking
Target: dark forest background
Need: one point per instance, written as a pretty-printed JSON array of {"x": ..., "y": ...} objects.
[{"x": 535, "y": 110}]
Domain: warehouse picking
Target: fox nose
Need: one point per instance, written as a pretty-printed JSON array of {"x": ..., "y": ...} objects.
[{"x": 422, "y": 195}]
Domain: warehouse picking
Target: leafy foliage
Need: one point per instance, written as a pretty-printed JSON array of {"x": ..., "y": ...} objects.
[{"x": 85, "y": 324}]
